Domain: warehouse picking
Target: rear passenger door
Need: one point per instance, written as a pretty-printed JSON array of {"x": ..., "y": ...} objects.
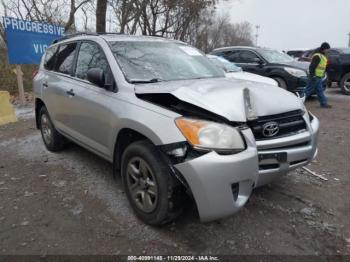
[
  {"x": 58, "y": 65},
  {"x": 90, "y": 114}
]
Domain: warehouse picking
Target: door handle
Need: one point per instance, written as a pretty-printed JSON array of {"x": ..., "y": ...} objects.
[
  {"x": 45, "y": 84},
  {"x": 70, "y": 92}
]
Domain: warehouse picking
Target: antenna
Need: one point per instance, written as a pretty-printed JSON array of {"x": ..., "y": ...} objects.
[{"x": 257, "y": 34}]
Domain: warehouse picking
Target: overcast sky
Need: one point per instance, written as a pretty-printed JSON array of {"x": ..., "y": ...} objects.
[{"x": 288, "y": 24}]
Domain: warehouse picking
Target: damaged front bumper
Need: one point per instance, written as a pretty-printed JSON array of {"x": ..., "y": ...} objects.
[
  {"x": 279, "y": 156},
  {"x": 222, "y": 184}
]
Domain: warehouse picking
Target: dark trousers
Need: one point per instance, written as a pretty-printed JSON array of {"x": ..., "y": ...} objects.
[{"x": 316, "y": 84}]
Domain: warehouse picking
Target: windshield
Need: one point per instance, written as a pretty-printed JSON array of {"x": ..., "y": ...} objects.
[
  {"x": 146, "y": 61},
  {"x": 273, "y": 56},
  {"x": 224, "y": 64}
]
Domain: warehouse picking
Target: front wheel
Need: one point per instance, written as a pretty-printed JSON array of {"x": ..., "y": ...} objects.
[
  {"x": 281, "y": 82},
  {"x": 345, "y": 84},
  {"x": 148, "y": 184}
]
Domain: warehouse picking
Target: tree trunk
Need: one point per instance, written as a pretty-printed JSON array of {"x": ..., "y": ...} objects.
[
  {"x": 71, "y": 19},
  {"x": 101, "y": 10}
]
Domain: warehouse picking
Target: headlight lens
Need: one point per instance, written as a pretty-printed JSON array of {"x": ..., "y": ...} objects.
[
  {"x": 209, "y": 135},
  {"x": 296, "y": 72}
]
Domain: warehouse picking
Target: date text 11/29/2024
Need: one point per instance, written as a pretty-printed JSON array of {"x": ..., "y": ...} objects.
[{"x": 173, "y": 258}]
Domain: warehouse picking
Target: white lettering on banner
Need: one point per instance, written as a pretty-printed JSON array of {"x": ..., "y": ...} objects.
[
  {"x": 34, "y": 27},
  {"x": 21, "y": 25},
  {"x": 28, "y": 26},
  {"x": 14, "y": 24},
  {"x": 38, "y": 48},
  {"x": 7, "y": 21}
]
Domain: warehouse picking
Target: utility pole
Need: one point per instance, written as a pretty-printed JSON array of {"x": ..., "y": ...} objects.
[
  {"x": 257, "y": 34},
  {"x": 349, "y": 39}
]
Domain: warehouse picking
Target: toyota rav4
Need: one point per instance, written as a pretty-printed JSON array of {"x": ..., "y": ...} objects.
[{"x": 170, "y": 122}]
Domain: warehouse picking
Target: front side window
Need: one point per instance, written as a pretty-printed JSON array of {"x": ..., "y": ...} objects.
[
  {"x": 65, "y": 57},
  {"x": 91, "y": 56},
  {"x": 273, "y": 56},
  {"x": 162, "y": 61}
]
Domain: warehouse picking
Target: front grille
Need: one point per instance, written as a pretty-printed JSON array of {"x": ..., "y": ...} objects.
[{"x": 289, "y": 124}]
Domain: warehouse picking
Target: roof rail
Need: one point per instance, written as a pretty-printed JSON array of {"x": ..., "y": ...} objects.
[
  {"x": 72, "y": 35},
  {"x": 108, "y": 33}
]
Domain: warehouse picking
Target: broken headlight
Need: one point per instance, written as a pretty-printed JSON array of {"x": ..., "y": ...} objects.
[{"x": 207, "y": 135}]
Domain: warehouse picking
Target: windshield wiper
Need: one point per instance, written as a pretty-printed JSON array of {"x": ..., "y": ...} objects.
[{"x": 145, "y": 81}]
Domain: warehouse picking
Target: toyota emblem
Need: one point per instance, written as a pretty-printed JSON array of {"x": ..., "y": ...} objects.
[{"x": 270, "y": 129}]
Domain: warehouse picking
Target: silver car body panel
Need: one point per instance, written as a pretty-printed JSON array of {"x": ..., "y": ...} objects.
[
  {"x": 94, "y": 117},
  {"x": 220, "y": 95},
  {"x": 211, "y": 177}
]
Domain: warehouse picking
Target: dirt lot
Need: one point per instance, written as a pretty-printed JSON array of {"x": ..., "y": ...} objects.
[{"x": 69, "y": 203}]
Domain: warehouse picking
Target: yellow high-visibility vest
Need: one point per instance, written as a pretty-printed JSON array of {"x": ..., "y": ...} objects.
[{"x": 322, "y": 66}]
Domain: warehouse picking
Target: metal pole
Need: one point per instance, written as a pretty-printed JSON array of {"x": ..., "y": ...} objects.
[
  {"x": 349, "y": 39},
  {"x": 257, "y": 34},
  {"x": 19, "y": 74}
]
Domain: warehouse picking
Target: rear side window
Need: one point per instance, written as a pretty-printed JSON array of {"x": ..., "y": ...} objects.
[
  {"x": 65, "y": 57},
  {"x": 91, "y": 56},
  {"x": 248, "y": 57},
  {"x": 232, "y": 56},
  {"x": 50, "y": 57}
]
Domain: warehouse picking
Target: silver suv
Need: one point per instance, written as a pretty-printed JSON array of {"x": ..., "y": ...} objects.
[{"x": 170, "y": 122}]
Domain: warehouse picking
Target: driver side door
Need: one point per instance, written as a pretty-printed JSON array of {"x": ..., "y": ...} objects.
[{"x": 90, "y": 107}]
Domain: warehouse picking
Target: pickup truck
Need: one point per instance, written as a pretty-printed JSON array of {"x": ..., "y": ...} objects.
[{"x": 339, "y": 68}]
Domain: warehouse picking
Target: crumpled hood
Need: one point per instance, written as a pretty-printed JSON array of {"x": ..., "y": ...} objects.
[{"x": 224, "y": 96}]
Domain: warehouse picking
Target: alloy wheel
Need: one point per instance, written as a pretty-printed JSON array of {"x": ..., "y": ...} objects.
[
  {"x": 46, "y": 129},
  {"x": 142, "y": 185}
]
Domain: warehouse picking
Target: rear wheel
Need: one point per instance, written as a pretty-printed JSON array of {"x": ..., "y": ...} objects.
[
  {"x": 281, "y": 82},
  {"x": 148, "y": 184},
  {"x": 53, "y": 140},
  {"x": 345, "y": 84}
]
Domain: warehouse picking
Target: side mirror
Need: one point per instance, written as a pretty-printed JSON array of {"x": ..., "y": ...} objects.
[
  {"x": 96, "y": 76},
  {"x": 258, "y": 61}
]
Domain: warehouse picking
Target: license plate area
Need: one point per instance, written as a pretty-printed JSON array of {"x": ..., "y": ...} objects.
[{"x": 275, "y": 157}]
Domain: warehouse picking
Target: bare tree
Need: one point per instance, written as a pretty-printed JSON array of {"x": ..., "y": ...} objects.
[{"x": 101, "y": 10}]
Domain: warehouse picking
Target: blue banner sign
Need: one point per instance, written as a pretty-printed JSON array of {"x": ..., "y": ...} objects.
[{"x": 27, "y": 40}]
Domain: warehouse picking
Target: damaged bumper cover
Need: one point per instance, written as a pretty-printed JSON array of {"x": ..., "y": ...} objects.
[
  {"x": 280, "y": 156},
  {"x": 222, "y": 184}
]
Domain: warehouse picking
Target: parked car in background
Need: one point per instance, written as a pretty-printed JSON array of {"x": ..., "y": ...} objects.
[
  {"x": 234, "y": 71},
  {"x": 289, "y": 74},
  {"x": 296, "y": 53},
  {"x": 307, "y": 55},
  {"x": 339, "y": 68},
  {"x": 170, "y": 122}
]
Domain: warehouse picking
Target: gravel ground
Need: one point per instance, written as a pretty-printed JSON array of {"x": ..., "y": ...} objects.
[{"x": 69, "y": 203}]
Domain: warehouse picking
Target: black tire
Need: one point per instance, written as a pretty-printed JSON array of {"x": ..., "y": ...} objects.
[
  {"x": 53, "y": 140},
  {"x": 281, "y": 82},
  {"x": 164, "y": 208},
  {"x": 345, "y": 84}
]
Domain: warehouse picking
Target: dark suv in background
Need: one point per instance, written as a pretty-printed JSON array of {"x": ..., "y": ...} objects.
[
  {"x": 290, "y": 74},
  {"x": 339, "y": 68}
]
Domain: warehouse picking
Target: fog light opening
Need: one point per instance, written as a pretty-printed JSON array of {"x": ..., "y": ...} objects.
[{"x": 235, "y": 191}]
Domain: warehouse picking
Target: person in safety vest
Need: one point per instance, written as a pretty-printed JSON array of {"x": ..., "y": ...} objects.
[{"x": 318, "y": 69}]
